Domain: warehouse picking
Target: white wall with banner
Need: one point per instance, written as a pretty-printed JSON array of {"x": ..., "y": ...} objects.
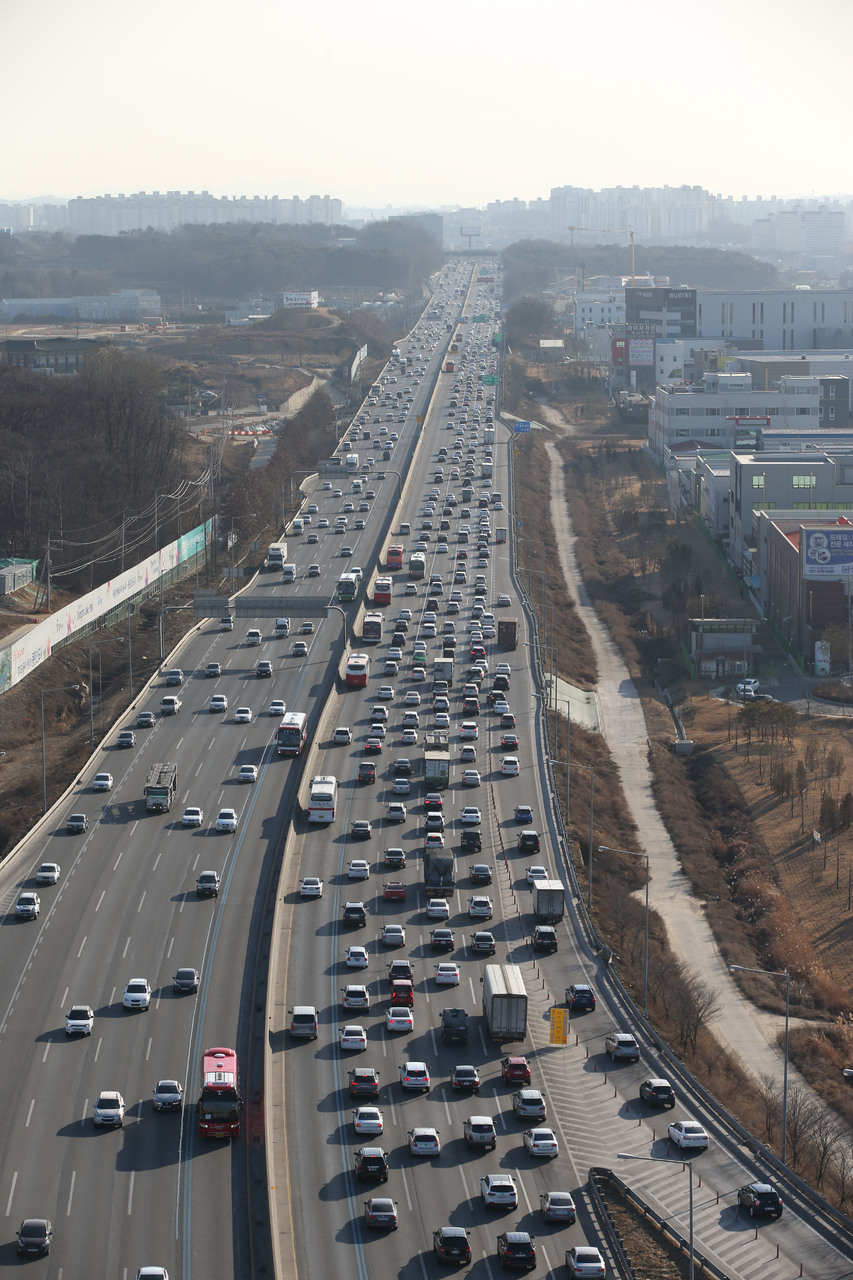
[{"x": 27, "y": 652}]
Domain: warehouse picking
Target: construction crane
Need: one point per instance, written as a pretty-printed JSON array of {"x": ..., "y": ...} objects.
[{"x": 625, "y": 231}]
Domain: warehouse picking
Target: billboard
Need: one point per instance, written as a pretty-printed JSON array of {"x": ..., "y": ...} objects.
[
  {"x": 827, "y": 552},
  {"x": 641, "y": 351},
  {"x": 618, "y": 351}
]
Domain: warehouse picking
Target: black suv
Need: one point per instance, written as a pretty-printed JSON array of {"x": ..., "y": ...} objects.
[
  {"x": 450, "y": 1244},
  {"x": 658, "y": 1093},
  {"x": 528, "y": 842},
  {"x": 371, "y": 1162},
  {"x": 760, "y": 1199},
  {"x": 355, "y": 913},
  {"x": 516, "y": 1249},
  {"x": 472, "y": 841},
  {"x": 454, "y": 1026}
]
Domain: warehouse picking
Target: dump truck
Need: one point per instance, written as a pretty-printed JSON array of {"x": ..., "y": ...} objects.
[
  {"x": 454, "y": 1026},
  {"x": 504, "y": 1002},
  {"x": 549, "y": 901},
  {"x": 436, "y": 760},
  {"x": 439, "y": 873},
  {"x": 508, "y": 633},
  {"x": 161, "y": 787}
]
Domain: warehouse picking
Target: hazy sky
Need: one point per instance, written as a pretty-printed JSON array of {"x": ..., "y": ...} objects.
[{"x": 424, "y": 103}]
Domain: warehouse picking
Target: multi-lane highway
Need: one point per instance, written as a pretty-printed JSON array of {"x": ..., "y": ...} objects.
[{"x": 125, "y": 906}]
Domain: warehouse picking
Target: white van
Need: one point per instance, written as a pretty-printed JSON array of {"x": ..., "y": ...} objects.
[
  {"x": 298, "y": 525},
  {"x": 282, "y": 628},
  {"x": 288, "y": 573},
  {"x": 253, "y": 637}
]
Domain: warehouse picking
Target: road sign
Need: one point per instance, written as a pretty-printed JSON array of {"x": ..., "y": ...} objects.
[
  {"x": 521, "y": 426},
  {"x": 559, "y": 1026},
  {"x": 491, "y": 379},
  {"x": 478, "y": 319}
]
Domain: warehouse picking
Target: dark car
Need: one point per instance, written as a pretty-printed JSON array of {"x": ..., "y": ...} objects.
[
  {"x": 580, "y": 996},
  {"x": 34, "y": 1236},
  {"x": 185, "y": 980},
  {"x": 355, "y": 913},
  {"x": 127, "y": 738},
  {"x": 372, "y": 1163},
  {"x": 528, "y": 842},
  {"x": 657, "y": 1092},
  {"x": 760, "y": 1199},
  {"x": 516, "y": 1249},
  {"x": 480, "y": 873},
  {"x": 402, "y": 767},
  {"x": 395, "y": 858},
  {"x": 515, "y": 1070},
  {"x": 483, "y": 943},
  {"x": 364, "y": 1082},
  {"x": 145, "y": 720},
  {"x": 465, "y": 1078},
  {"x": 545, "y": 938},
  {"x": 450, "y": 1244},
  {"x": 367, "y": 771},
  {"x": 472, "y": 841},
  {"x": 442, "y": 939}
]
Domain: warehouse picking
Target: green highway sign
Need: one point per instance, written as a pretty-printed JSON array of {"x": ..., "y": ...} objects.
[
  {"x": 478, "y": 319},
  {"x": 491, "y": 379}
]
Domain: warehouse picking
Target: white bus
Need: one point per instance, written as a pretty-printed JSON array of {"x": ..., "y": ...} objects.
[{"x": 322, "y": 798}]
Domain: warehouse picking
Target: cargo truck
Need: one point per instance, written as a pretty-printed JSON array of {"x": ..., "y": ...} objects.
[
  {"x": 508, "y": 633},
  {"x": 276, "y": 555},
  {"x": 504, "y": 1002},
  {"x": 488, "y": 435},
  {"x": 486, "y": 470},
  {"x": 439, "y": 873},
  {"x": 500, "y": 536},
  {"x": 549, "y": 901},
  {"x": 436, "y": 760},
  {"x": 454, "y": 1026},
  {"x": 442, "y": 669},
  {"x": 161, "y": 787}
]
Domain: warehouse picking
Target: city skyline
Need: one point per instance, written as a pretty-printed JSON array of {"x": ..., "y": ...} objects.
[{"x": 385, "y": 108}]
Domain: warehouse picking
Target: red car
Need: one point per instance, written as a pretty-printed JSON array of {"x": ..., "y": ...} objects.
[
  {"x": 515, "y": 1070},
  {"x": 402, "y": 993},
  {"x": 395, "y": 891}
]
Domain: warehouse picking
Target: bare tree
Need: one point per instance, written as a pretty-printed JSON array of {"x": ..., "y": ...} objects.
[
  {"x": 769, "y": 1092},
  {"x": 693, "y": 1007},
  {"x": 802, "y": 1116},
  {"x": 825, "y": 1137}
]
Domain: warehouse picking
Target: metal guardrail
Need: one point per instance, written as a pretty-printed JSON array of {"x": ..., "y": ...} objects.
[{"x": 597, "y": 1174}]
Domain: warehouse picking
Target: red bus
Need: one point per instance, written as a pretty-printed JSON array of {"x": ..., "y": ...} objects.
[
  {"x": 394, "y": 558},
  {"x": 358, "y": 670},
  {"x": 292, "y": 734},
  {"x": 219, "y": 1103},
  {"x": 382, "y": 589}
]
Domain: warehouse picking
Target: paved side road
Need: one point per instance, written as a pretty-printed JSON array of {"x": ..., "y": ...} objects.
[{"x": 741, "y": 1028}]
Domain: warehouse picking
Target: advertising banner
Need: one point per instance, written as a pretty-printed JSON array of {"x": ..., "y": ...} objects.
[{"x": 827, "y": 552}]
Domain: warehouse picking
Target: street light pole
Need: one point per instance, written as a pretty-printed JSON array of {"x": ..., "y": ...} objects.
[
  {"x": 60, "y": 688},
  {"x": 777, "y": 973},
  {"x": 623, "y": 1155},
  {"x": 632, "y": 853}
]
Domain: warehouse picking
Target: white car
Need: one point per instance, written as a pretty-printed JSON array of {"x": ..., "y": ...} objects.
[
  {"x": 441, "y": 720},
  {"x": 79, "y": 1020},
  {"x": 409, "y": 737},
  {"x": 219, "y": 702},
  {"x": 355, "y": 996},
  {"x": 102, "y": 782},
  {"x": 367, "y": 1120},
  {"x": 379, "y": 715},
  {"x": 358, "y": 869},
  {"x": 470, "y": 778},
  {"x": 424, "y": 1142},
  {"x": 48, "y": 873},
  {"x": 399, "y": 1019},
  {"x": 248, "y": 773},
  {"x": 357, "y": 958},
  {"x": 386, "y": 693},
  {"x": 537, "y": 873},
  {"x": 393, "y": 935},
  {"x": 412, "y": 698},
  {"x": 226, "y": 820},
  {"x": 401, "y": 786},
  {"x": 499, "y": 1191},
  {"x": 243, "y": 715},
  {"x": 583, "y": 1261},
  {"x": 415, "y": 1075},
  {"x": 353, "y": 1037},
  {"x": 277, "y": 707},
  {"x": 541, "y": 1142},
  {"x": 469, "y": 729},
  {"x": 311, "y": 887},
  {"x": 480, "y": 907},
  {"x": 109, "y": 1108},
  {"x": 447, "y": 974},
  {"x": 510, "y": 767},
  {"x": 687, "y": 1134},
  {"x": 137, "y": 994},
  {"x": 438, "y": 909},
  {"x": 395, "y": 811},
  {"x": 377, "y": 729},
  {"x": 192, "y": 817},
  {"x": 470, "y": 816}
]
